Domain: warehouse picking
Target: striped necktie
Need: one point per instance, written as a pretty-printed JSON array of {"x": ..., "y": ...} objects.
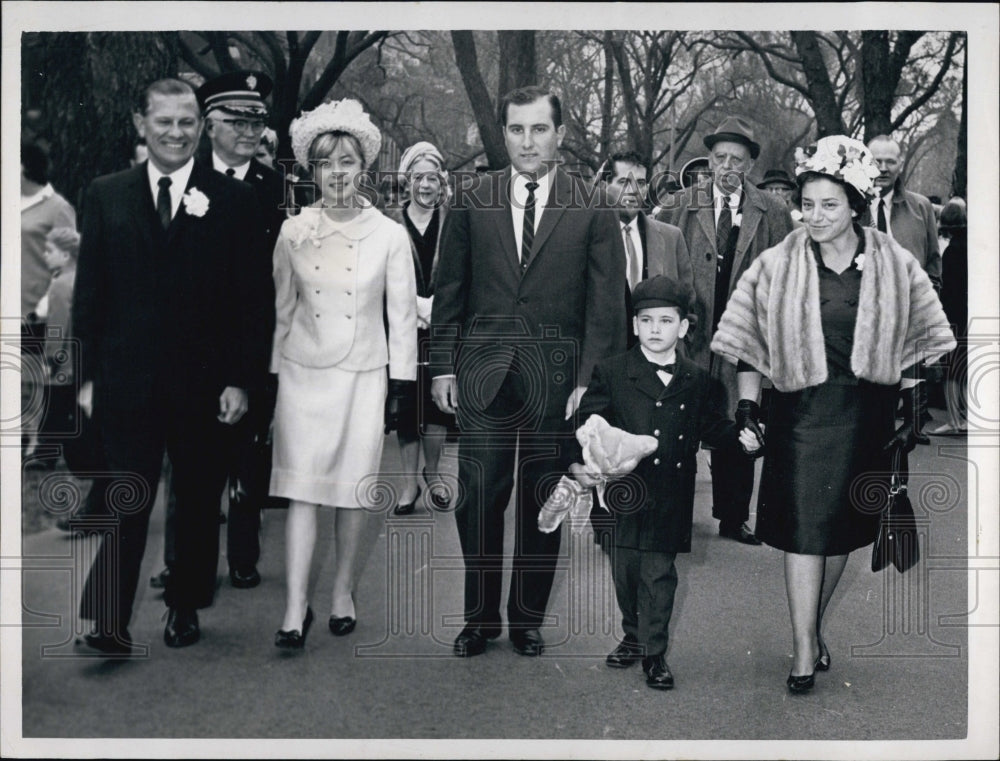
[{"x": 528, "y": 229}]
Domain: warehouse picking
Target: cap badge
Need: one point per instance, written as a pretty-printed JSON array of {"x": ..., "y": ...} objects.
[{"x": 252, "y": 82}]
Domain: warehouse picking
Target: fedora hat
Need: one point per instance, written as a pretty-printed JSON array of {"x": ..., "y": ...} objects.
[
  {"x": 734, "y": 129},
  {"x": 776, "y": 177}
]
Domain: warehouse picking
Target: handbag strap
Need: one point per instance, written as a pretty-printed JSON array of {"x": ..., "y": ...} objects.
[{"x": 896, "y": 484}]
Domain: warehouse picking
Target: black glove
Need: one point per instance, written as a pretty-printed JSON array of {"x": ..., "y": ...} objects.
[
  {"x": 906, "y": 435},
  {"x": 400, "y": 399},
  {"x": 748, "y": 416}
]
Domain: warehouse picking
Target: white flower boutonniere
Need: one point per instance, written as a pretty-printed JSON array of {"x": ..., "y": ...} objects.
[
  {"x": 859, "y": 262},
  {"x": 195, "y": 202}
]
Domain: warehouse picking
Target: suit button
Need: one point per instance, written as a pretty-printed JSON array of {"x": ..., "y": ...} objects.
[
  {"x": 708, "y": 256},
  {"x": 682, "y": 406},
  {"x": 656, "y": 432},
  {"x": 678, "y": 465},
  {"x": 659, "y": 404},
  {"x": 656, "y": 461},
  {"x": 681, "y": 437}
]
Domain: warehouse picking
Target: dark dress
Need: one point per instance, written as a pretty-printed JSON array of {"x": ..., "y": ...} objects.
[
  {"x": 423, "y": 411},
  {"x": 824, "y": 471},
  {"x": 955, "y": 300}
]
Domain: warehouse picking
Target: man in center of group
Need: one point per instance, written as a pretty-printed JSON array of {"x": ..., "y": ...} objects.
[
  {"x": 727, "y": 223},
  {"x": 528, "y": 299}
]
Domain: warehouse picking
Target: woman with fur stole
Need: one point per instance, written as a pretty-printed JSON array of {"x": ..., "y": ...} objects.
[{"x": 837, "y": 317}]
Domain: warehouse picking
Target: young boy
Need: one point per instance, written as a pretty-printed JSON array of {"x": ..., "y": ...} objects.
[
  {"x": 650, "y": 390},
  {"x": 62, "y": 244}
]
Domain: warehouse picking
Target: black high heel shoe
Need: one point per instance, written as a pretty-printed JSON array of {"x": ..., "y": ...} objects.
[
  {"x": 440, "y": 498},
  {"x": 294, "y": 639},
  {"x": 340, "y": 626},
  {"x": 408, "y": 508},
  {"x": 799, "y": 685}
]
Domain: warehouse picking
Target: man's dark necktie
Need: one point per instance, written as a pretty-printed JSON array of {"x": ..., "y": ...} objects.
[
  {"x": 230, "y": 172},
  {"x": 723, "y": 229},
  {"x": 667, "y": 368},
  {"x": 881, "y": 216},
  {"x": 163, "y": 201},
  {"x": 528, "y": 230}
]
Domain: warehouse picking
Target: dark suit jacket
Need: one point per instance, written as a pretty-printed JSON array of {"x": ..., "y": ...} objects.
[
  {"x": 626, "y": 392},
  {"x": 562, "y": 315},
  {"x": 168, "y": 316},
  {"x": 766, "y": 222},
  {"x": 270, "y": 189}
]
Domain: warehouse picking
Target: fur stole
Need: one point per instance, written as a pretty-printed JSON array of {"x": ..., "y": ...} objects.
[{"x": 772, "y": 320}]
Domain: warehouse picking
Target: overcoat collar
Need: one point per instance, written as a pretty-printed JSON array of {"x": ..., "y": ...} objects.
[{"x": 642, "y": 374}]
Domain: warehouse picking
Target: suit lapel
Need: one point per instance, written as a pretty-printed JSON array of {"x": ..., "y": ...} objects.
[
  {"x": 651, "y": 242},
  {"x": 754, "y": 209},
  {"x": 199, "y": 178},
  {"x": 505, "y": 219},
  {"x": 706, "y": 215},
  {"x": 559, "y": 196},
  {"x": 681, "y": 380}
]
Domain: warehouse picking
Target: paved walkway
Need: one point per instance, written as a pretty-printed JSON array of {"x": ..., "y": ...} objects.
[{"x": 898, "y": 645}]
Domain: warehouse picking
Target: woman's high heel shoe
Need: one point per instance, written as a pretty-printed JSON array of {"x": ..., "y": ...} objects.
[
  {"x": 438, "y": 494},
  {"x": 342, "y": 625},
  {"x": 408, "y": 508},
  {"x": 798, "y": 685},
  {"x": 294, "y": 639}
]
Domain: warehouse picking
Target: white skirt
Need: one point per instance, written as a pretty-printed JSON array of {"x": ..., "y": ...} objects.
[{"x": 328, "y": 435}]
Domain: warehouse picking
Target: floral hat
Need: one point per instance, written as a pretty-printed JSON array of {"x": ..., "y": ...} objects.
[
  {"x": 336, "y": 116},
  {"x": 842, "y": 158}
]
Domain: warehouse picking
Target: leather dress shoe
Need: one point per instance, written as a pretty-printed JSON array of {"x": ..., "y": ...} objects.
[
  {"x": 109, "y": 644},
  {"x": 527, "y": 642},
  {"x": 657, "y": 672},
  {"x": 628, "y": 653},
  {"x": 799, "y": 685},
  {"x": 739, "y": 533},
  {"x": 921, "y": 438},
  {"x": 472, "y": 640},
  {"x": 408, "y": 508},
  {"x": 296, "y": 638},
  {"x": 182, "y": 628},
  {"x": 160, "y": 580},
  {"x": 439, "y": 496},
  {"x": 244, "y": 578},
  {"x": 341, "y": 625}
]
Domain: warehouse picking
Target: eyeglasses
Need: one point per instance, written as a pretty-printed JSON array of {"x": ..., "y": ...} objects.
[{"x": 246, "y": 126}]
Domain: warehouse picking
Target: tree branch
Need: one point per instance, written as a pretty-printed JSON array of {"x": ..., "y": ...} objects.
[{"x": 932, "y": 87}]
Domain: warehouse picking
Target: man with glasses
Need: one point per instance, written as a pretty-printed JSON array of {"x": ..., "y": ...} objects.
[
  {"x": 235, "y": 121},
  {"x": 727, "y": 223}
]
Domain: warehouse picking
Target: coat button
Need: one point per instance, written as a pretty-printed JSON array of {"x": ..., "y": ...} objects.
[
  {"x": 348, "y": 269},
  {"x": 659, "y": 404},
  {"x": 656, "y": 432},
  {"x": 656, "y": 461},
  {"x": 682, "y": 406},
  {"x": 317, "y": 315},
  {"x": 317, "y": 290},
  {"x": 317, "y": 266},
  {"x": 347, "y": 316},
  {"x": 678, "y": 465},
  {"x": 348, "y": 293},
  {"x": 681, "y": 437}
]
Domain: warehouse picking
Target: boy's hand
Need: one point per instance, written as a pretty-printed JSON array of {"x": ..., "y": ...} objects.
[
  {"x": 582, "y": 476},
  {"x": 751, "y": 442}
]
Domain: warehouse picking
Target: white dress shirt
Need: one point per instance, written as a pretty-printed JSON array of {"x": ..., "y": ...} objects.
[
  {"x": 734, "y": 202},
  {"x": 664, "y": 376},
  {"x": 239, "y": 172},
  {"x": 178, "y": 184},
  {"x": 519, "y": 197},
  {"x": 888, "y": 212}
]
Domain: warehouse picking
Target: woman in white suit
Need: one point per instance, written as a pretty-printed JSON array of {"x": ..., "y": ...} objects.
[{"x": 337, "y": 265}]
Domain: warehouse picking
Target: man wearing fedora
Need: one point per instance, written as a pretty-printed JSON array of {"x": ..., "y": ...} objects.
[
  {"x": 727, "y": 223},
  {"x": 779, "y": 183}
]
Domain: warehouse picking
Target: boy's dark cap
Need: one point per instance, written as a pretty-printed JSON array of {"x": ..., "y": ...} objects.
[{"x": 661, "y": 291}]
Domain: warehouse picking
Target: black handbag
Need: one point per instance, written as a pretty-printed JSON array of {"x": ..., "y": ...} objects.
[{"x": 896, "y": 541}]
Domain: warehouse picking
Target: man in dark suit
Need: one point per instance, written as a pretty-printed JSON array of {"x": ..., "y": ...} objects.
[
  {"x": 235, "y": 118},
  {"x": 528, "y": 299},
  {"x": 165, "y": 314},
  {"x": 651, "y": 248},
  {"x": 727, "y": 223}
]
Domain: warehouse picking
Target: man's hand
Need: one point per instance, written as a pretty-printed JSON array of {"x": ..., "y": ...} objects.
[
  {"x": 574, "y": 400},
  {"x": 86, "y": 398},
  {"x": 232, "y": 405},
  {"x": 444, "y": 392},
  {"x": 582, "y": 476}
]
